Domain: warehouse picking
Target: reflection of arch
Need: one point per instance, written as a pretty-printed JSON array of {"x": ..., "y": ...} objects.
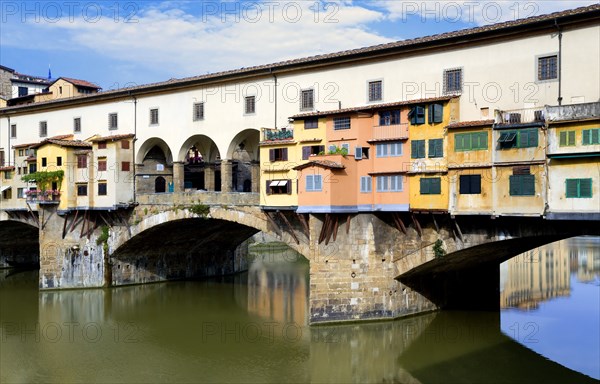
[
  {"x": 205, "y": 147},
  {"x": 244, "y": 146},
  {"x": 160, "y": 185},
  {"x": 149, "y": 145}
]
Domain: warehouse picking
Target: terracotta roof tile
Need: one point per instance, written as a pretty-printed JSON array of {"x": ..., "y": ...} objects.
[
  {"x": 468, "y": 124},
  {"x": 320, "y": 163},
  {"x": 66, "y": 143},
  {"x": 33, "y": 145},
  {"x": 113, "y": 137},
  {"x": 372, "y": 107},
  {"x": 9, "y": 168},
  {"x": 80, "y": 83}
]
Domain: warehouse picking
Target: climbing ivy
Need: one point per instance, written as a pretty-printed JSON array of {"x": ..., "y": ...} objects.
[
  {"x": 44, "y": 178},
  {"x": 438, "y": 249}
]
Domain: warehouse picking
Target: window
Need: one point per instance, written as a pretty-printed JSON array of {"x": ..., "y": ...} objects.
[
  {"x": 23, "y": 91},
  {"x": 8, "y": 175},
  {"x": 58, "y": 161},
  {"x": 375, "y": 90},
  {"x": 43, "y": 128},
  {"x": 579, "y": 188},
  {"x": 522, "y": 185},
  {"x": 474, "y": 141},
  {"x": 13, "y": 131},
  {"x": 102, "y": 165},
  {"x": 44, "y": 162},
  {"x": 101, "y": 189},
  {"x": 452, "y": 81},
  {"x": 21, "y": 153},
  {"x": 7, "y": 194},
  {"x": 102, "y": 145},
  {"x": 567, "y": 138},
  {"x": 125, "y": 166},
  {"x": 389, "y": 149},
  {"x": 278, "y": 154},
  {"x": 81, "y": 189},
  {"x": 311, "y": 123},
  {"x": 436, "y": 113},
  {"x": 250, "y": 105},
  {"x": 279, "y": 187},
  {"x": 430, "y": 186},
  {"x": 591, "y": 136},
  {"x": 81, "y": 161},
  {"x": 340, "y": 123},
  {"x": 346, "y": 146},
  {"x": 366, "y": 184},
  {"x": 417, "y": 115},
  {"x": 32, "y": 168},
  {"x": 548, "y": 68},
  {"x": 389, "y": 117},
  {"x": 361, "y": 153},
  {"x": 309, "y": 150},
  {"x": 524, "y": 138},
  {"x": 77, "y": 124},
  {"x": 314, "y": 183},
  {"x": 391, "y": 183},
  {"x": 113, "y": 121},
  {"x": 307, "y": 100},
  {"x": 154, "y": 116},
  {"x": 417, "y": 149},
  {"x": 198, "y": 111},
  {"x": 124, "y": 144},
  {"x": 470, "y": 184},
  {"x": 20, "y": 193},
  {"x": 436, "y": 148}
]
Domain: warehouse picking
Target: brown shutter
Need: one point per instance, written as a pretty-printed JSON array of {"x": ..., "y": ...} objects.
[
  {"x": 284, "y": 154},
  {"x": 268, "y": 183},
  {"x": 271, "y": 155}
]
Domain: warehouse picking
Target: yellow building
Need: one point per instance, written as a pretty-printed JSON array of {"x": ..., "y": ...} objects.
[
  {"x": 280, "y": 151},
  {"x": 428, "y": 174},
  {"x": 470, "y": 167},
  {"x": 574, "y": 162},
  {"x": 519, "y": 162}
]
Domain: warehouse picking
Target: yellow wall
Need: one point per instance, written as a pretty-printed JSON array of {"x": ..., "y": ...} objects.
[
  {"x": 519, "y": 154},
  {"x": 578, "y": 168},
  {"x": 505, "y": 204},
  {"x": 471, "y": 203},
  {"x": 51, "y": 152},
  {"x": 428, "y": 202},
  {"x": 473, "y": 157},
  {"x": 554, "y": 137},
  {"x": 62, "y": 89}
]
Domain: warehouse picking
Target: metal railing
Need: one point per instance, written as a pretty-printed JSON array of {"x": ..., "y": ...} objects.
[
  {"x": 521, "y": 116},
  {"x": 277, "y": 134}
]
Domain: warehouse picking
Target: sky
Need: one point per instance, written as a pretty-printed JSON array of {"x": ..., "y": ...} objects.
[{"x": 117, "y": 44}]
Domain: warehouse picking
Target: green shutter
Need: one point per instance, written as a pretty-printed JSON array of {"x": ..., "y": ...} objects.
[
  {"x": 483, "y": 144},
  {"x": 424, "y": 186},
  {"x": 533, "y": 138},
  {"x": 571, "y": 138},
  {"x": 514, "y": 185},
  {"x": 585, "y": 187},
  {"x": 439, "y": 147},
  {"x": 414, "y": 154},
  {"x": 458, "y": 142},
  {"x": 595, "y": 136},
  {"x": 528, "y": 185},
  {"x": 421, "y": 151},
  {"x": 563, "y": 138},
  {"x": 523, "y": 139},
  {"x": 587, "y": 136},
  {"x": 432, "y": 148},
  {"x": 436, "y": 186},
  {"x": 572, "y": 188}
]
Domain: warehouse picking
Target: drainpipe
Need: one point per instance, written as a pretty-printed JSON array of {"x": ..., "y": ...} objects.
[
  {"x": 275, "y": 80},
  {"x": 559, "y": 61},
  {"x": 8, "y": 149},
  {"x": 133, "y": 145}
]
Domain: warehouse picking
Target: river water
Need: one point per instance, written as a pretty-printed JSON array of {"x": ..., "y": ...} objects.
[{"x": 253, "y": 328}]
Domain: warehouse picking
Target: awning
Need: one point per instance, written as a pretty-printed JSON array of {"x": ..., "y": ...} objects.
[
  {"x": 507, "y": 137},
  {"x": 4, "y": 188},
  {"x": 278, "y": 183}
]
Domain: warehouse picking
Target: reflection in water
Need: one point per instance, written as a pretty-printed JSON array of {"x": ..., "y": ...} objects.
[
  {"x": 550, "y": 300},
  {"x": 249, "y": 328}
]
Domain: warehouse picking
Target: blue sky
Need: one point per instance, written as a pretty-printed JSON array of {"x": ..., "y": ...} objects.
[{"x": 121, "y": 43}]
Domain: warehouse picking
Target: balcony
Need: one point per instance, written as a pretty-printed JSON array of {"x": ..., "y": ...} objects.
[
  {"x": 572, "y": 112},
  {"x": 283, "y": 134},
  {"x": 43, "y": 197},
  {"x": 390, "y": 132},
  {"x": 529, "y": 116}
]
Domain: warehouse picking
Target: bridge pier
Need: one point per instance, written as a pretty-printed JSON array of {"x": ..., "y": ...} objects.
[
  {"x": 178, "y": 176},
  {"x": 226, "y": 175}
]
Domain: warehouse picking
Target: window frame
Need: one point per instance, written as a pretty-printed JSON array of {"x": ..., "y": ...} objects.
[
  {"x": 315, "y": 186},
  {"x": 77, "y": 124},
  {"x": 469, "y": 184},
  {"x": 13, "y": 131},
  {"x": 539, "y": 68},
  {"x": 567, "y": 138},
  {"x": 125, "y": 166},
  {"x": 310, "y": 126},
  {"x": 437, "y": 147},
  {"x": 578, "y": 194},
  {"x": 82, "y": 161},
  {"x": 366, "y": 181},
  {"x": 459, "y": 138},
  {"x": 105, "y": 185},
  {"x": 416, "y": 115},
  {"x": 390, "y": 117},
  {"x": 81, "y": 189},
  {"x": 198, "y": 111},
  {"x": 446, "y": 82},
  {"x": 250, "y": 101},
  {"x": 337, "y": 123},
  {"x": 426, "y": 184},
  {"x": 113, "y": 121},
  {"x": 307, "y": 103},
  {"x": 417, "y": 154},
  {"x": 43, "y": 126},
  {"x": 517, "y": 185},
  {"x": 371, "y": 94},
  {"x": 587, "y": 136},
  {"x": 153, "y": 117}
]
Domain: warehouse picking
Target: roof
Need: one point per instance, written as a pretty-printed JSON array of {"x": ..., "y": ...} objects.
[
  {"x": 470, "y": 124},
  {"x": 320, "y": 163},
  {"x": 79, "y": 83},
  {"x": 65, "y": 141},
  {"x": 371, "y": 107},
  {"x": 470, "y": 35},
  {"x": 28, "y": 145},
  {"x": 9, "y": 168},
  {"x": 113, "y": 137},
  {"x": 7, "y": 69}
]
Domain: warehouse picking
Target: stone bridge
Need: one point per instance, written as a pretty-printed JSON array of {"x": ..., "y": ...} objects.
[{"x": 362, "y": 266}]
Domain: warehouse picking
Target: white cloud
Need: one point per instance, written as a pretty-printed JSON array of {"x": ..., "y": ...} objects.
[
  {"x": 189, "y": 43},
  {"x": 480, "y": 12}
]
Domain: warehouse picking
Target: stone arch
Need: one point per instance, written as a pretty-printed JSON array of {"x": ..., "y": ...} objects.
[
  {"x": 201, "y": 169},
  {"x": 149, "y": 145},
  {"x": 19, "y": 243},
  {"x": 244, "y": 154}
]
